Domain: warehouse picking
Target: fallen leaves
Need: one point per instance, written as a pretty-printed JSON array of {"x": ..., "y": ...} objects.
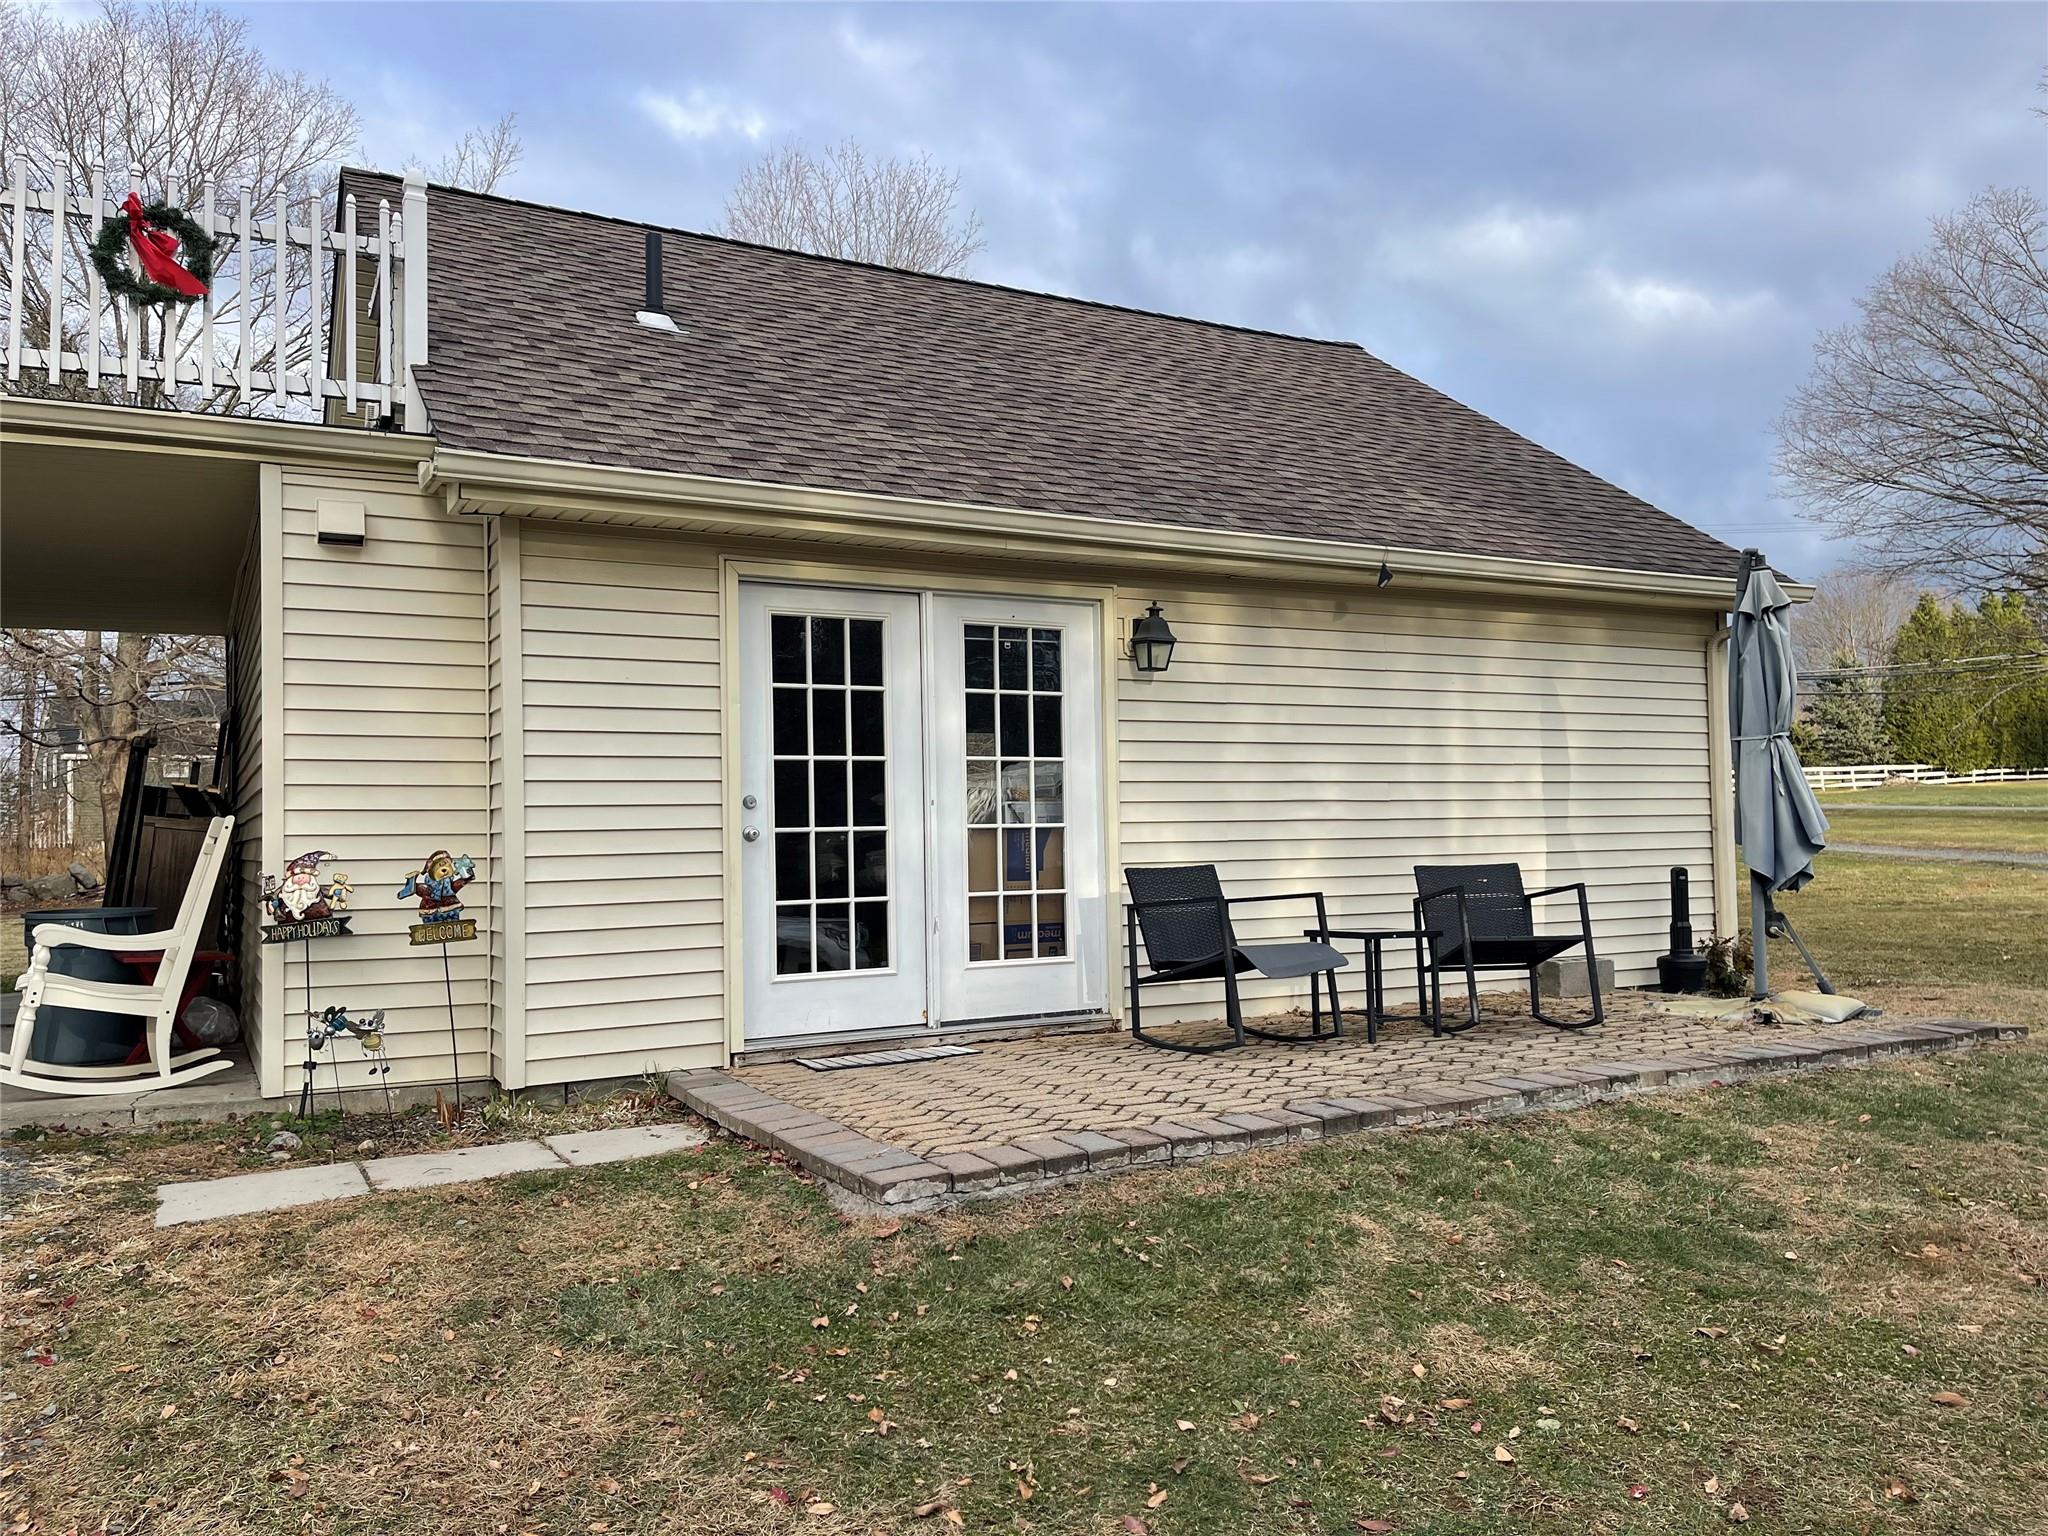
[
  {"x": 1736, "y": 1513},
  {"x": 1503, "y": 1455},
  {"x": 1896, "y": 1488},
  {"x": 1156, "y": 1496},
  {"x": 1948, "y": 1399}
]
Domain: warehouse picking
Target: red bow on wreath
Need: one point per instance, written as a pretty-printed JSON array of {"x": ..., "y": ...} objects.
[{"x": 157, "y": 251}]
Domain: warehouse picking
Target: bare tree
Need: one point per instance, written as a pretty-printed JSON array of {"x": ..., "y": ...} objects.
[
  {"x": 114, "y": 689},
  {"x": 1923, "y": 432},
  {"x": 483, "y": 158},
  {"x": 1853, "y": 619},
  {"x": 186, "y": 95},
  {"x": 183, "y": 92},
  {"x": 895, "y": 213}
]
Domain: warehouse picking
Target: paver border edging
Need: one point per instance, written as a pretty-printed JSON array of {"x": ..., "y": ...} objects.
[{"x": 899, "y": 1178}]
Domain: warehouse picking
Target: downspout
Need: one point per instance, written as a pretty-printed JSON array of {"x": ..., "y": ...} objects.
[{"x": 1721, "y": 782}]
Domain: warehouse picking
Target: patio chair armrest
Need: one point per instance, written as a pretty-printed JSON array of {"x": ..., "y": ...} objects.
[
  {"x": 1464, "y": 933},
  {"x": 62, "y": 936},
  {"x": 1557, "y": 890},
  {"x": 1238, "y": 901}
]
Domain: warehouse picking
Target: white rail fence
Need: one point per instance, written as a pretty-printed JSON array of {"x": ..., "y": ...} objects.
[
  {"x": 1871, "y": 775},
  {"x": 289, "y": 325}
]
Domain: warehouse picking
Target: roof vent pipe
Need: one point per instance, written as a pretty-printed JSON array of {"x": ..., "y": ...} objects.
[{"x": 654, "y": 316}]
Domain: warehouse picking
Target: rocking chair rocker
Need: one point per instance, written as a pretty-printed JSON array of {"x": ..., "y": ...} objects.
[{"x": 156, "y": 1001}]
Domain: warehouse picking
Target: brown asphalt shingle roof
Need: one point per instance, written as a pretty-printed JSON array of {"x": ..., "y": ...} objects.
[{"x": 801, "y": 370}]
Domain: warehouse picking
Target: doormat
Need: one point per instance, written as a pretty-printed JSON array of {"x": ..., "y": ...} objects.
[{"x": 884, "y": 1058}]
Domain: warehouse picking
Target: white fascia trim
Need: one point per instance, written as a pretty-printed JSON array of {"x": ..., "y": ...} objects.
[
  {"x": 503, "y": 481},
  {"x": 195, "y": 432}
]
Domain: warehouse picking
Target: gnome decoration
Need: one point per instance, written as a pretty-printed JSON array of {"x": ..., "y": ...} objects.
[
  {"x": 304, "y": 904},
  {"x": 438, "y": 888}
]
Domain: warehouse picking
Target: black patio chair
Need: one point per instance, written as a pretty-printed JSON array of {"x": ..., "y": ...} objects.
[
  {"x": 1185, "y": 919},
  {"x": 1480, "y": 919}
]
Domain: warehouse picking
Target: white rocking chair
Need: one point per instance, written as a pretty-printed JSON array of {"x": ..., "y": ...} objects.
[{"x": 156, "y": 1000}]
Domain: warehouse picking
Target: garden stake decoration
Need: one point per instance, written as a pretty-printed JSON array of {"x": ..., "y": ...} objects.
[
  {"x": 305, "y": 905},
  {"x": 437, "y": 886},
  {"x": 331, "y": 1024}
]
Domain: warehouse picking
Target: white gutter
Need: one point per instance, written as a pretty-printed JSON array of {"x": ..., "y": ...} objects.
[{"x": 487, "y": 484}]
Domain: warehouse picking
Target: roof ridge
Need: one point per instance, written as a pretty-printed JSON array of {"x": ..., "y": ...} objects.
[{"x": 875, "y": 266}]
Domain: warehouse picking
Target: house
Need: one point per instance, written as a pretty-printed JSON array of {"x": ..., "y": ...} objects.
[{"x": 759, "y": 623}]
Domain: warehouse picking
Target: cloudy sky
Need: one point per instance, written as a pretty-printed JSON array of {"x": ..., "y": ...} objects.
[{"x": 1616, "y": 228}]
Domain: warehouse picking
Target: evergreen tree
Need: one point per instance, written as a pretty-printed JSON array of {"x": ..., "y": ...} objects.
[
  {"x": 1846, "y": 718},
  {"x": 1969, "y": 687}
]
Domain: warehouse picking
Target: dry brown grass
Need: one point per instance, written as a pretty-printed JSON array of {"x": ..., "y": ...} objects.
[{"x": 383, "y": 1330}]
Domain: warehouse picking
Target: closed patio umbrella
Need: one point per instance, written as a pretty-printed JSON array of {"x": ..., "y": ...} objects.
[{"x": 1778, "y": 821}]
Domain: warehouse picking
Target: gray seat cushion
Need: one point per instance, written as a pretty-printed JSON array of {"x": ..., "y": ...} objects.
[{"x": 1303, "y": 959}]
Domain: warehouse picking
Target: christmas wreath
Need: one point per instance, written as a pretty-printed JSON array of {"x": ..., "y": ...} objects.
[{"x": 159, "y": 234}]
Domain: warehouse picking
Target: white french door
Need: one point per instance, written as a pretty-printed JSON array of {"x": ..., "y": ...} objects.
[
  {"x": 920, "y": 810},
  {"x": 1016, "y": 765},
  {"x": 832, "y": 807}
]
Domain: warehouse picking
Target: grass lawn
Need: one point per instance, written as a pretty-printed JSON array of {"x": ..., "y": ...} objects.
[
  {"x": 1819, "y": 1298},
  {"x": 1929, "y": 927},
  {"x": 1994, "y": 831},
  {"x": 2032, "y": 792}
]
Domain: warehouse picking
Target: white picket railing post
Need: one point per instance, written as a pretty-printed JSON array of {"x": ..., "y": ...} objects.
[
  {"x": 384, "y": 301},
  {"x": 280, "y": 290},
  {"x": 15, "y": 325},
  {"x": 206, "y": 303},
  {"x": 94, "y": 288},
  {"x": 133, "y": 357},
  {"x": 60, "y": 197},
  {"x": 414, "y": 283},
  {"x": 348, "y": 299},
  {"x": 245, "y": 302},
  {"x": 316, "y": 268}
]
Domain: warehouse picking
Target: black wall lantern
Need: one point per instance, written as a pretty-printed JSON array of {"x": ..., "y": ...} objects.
[{"x": 1152, "y": 642}]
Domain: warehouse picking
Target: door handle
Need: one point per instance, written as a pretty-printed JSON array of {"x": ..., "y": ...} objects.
[{"x": 751, "y": 834}]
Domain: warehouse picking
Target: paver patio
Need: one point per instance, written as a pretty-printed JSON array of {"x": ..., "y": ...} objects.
[{"x": 1025, "y": 1111}]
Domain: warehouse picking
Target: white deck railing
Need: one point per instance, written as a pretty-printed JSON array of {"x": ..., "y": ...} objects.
[{"x": 288, "y": 326}]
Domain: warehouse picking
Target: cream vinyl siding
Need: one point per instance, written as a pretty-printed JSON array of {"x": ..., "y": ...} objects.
[
  {"x": 1333, "y": 741},
  {"x": 384, "y": 759},
  {"x": 624, "y": 961},
  {"x": 245, "y": 692}
]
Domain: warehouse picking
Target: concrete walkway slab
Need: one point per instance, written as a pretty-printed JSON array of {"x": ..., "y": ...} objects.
[
  {"x": 245, "y": 1193},
  {"x": 458, "y": 1165},
  {"x": 581, "y": 1149}
]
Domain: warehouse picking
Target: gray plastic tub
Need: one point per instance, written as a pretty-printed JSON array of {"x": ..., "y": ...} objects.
[{"x": 86, "y": 1037}]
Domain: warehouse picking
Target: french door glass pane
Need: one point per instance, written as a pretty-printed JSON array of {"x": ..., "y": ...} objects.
[
  {"x": 830, "y": 742},
  {"x": 1015, "y": 801}
]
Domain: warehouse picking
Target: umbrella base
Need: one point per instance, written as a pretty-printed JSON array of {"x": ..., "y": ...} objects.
[{"x": 1767, "y": 922}]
